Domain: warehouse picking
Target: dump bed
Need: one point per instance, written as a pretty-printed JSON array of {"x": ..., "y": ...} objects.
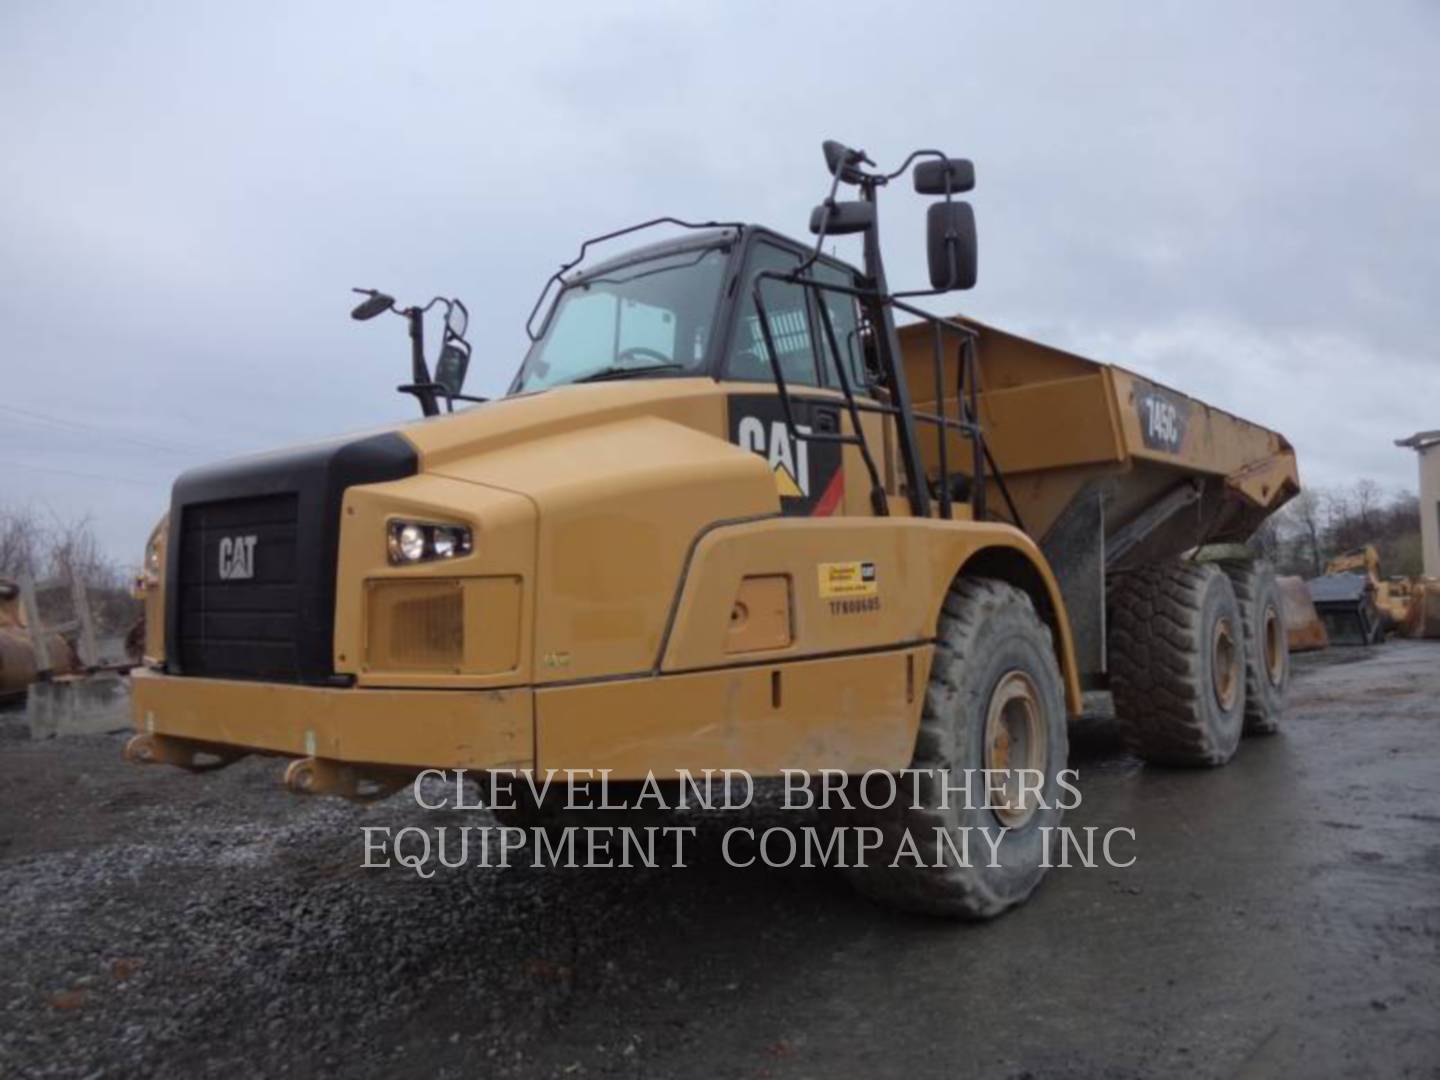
[
  {"x": 1073, "y": 437},
  {"x": 1105, "y": 469}
]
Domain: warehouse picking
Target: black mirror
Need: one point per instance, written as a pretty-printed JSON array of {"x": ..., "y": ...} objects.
[
  {"x": 842, "y": 161},
  {"x": 845, "y": 218},
  {"x": 931, "y": 176},
  {"x": 375, "y": 303},
  {"x": 450, "y": 369},
  {"x": 457, "y": 319},
  {"x": 950, "y": 242}
]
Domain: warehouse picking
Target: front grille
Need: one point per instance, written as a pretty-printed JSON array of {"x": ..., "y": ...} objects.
[
  {"x": 238, "y": 590},
  {"x": 271, "y": 617}
]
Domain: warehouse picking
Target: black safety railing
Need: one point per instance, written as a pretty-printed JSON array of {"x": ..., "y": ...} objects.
[
  {"x": 557, "y": 279},
  {"x": 965, "y": 423}
]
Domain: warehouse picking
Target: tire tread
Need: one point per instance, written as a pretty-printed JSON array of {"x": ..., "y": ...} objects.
[
  {"x": 952, "y": 890},
  {"x": 1157, "y": 676}
]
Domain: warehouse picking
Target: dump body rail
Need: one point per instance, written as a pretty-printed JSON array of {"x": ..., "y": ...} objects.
[{"x": 1063, "y": 429}]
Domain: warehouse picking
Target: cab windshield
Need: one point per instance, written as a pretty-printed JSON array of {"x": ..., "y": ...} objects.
[{"x": 651, "y": 317}]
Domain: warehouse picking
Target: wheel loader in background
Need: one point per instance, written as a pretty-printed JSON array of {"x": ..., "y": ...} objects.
[
  {"x": 732, "y": 514},
  {"x": 1359, "y": 607}
]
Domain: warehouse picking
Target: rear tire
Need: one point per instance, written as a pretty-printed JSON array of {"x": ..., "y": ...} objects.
[
  {"x": 1176, "y": 647},
  {"x": 1267, "y": 650},
  {"x": 995, "y": 700}
]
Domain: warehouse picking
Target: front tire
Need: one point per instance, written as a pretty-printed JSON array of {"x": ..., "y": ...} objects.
[{"x": 995, "y": 700}]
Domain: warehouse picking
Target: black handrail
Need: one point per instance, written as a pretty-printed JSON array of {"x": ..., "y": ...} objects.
[{"x": 967, "y": 425}]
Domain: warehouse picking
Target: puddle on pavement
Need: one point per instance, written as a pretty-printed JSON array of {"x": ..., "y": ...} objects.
[{"x": 91, "y": 705}]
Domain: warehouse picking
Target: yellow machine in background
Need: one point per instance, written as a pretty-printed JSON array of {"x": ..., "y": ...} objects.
[
  {"x": 18, "y": 665},
  {"x": 1304, "y": 629},
  {"x": 730, "y": 515},
  {"x": 1391, "y": 596},
  {"x": 1360, "y": 606},
  {"x": 1423, "y": 618}
]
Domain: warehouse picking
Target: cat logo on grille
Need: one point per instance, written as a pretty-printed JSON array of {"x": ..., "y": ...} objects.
[{"x": 237, "y": 557}]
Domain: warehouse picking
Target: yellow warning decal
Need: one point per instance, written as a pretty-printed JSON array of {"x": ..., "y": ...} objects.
[{"x": 848, "y": 579}]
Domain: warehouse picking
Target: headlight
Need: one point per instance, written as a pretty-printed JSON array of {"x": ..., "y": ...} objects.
[
  {"x": 154, "y": 555},
  {"x": 419, "y": 541},
  {"x": 409, "y": 543},
  {"x": 445, "y": 542}
]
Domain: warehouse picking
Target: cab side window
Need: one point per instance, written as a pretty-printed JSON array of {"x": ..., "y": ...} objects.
[
  {"x": 787, "y": 307},
  {"x": 796, "y": 326},
  {"x": 845, "y": 324}
]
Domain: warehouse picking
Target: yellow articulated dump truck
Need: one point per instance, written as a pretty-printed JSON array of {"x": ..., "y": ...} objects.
[{"x": 743, "y": 507}]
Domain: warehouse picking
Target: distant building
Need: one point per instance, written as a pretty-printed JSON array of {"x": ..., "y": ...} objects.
[{"x": 1427, "y": 445}]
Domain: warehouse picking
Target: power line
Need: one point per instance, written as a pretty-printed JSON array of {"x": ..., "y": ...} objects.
[
  {"x": 80, "y": 425},
  {"x": 107, "y": 477}
]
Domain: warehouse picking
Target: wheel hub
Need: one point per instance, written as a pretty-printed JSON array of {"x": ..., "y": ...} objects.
[
  {"x": 1015, "y": 740},
  {"x": 1274, "y": 651},
  {"x": 1225, "y": 664}
]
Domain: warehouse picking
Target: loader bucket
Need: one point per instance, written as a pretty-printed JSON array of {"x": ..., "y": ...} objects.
[
  {"x": 1346, "y": 604},
  {"x": 1303, "y": 629}
]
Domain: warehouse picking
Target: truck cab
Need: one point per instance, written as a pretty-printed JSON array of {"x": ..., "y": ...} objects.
[{"x": 682, "y": 309}]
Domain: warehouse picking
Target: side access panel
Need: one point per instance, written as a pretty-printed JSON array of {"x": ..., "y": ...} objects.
[{"x": 843, "y": 690}]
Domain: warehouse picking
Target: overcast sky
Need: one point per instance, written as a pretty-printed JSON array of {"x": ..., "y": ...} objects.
[{"x": 1240, "y": 199}]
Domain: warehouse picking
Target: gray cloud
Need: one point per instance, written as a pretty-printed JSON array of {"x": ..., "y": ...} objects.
[{"x": 1240, "y": 200}]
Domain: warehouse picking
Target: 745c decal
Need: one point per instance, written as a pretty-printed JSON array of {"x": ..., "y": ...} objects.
[{"x": 1163, "y": 418}]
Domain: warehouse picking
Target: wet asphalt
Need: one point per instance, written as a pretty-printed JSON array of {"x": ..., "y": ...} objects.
[{"x": 1282, "y": 917}]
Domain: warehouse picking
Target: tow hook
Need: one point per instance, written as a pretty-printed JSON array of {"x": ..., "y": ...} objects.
[
  {"x": 151, "y": 749},
  {"x": 321, "y": 776}
]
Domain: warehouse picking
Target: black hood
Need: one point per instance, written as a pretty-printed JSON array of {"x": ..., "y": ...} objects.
[{"x": 253, "y": 543}]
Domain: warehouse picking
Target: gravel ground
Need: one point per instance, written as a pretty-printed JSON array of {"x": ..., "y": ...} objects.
[{"x": 1283, "y": 917}]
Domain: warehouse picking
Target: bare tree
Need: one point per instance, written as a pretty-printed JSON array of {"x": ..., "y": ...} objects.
[
  {"x": 1321, "y": 523},
  {"x": 50, "y": 550},
  {"x": 1339, "y": 507},
  {"x": 1304, "y": 513},
  {"x": 22, "y": 539},
  {"x": 1269, "y": 539},
  {"x": 1366, "y": 502}
]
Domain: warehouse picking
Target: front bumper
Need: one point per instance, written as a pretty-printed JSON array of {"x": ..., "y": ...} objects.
[{"x": 404, "y": 729}]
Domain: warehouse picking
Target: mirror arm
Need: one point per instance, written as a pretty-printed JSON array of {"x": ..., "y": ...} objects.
[
  {"x": 829, "y": 205},
  {"x": 423, "y": 386},
  {"x": 425, "y": 393},
  {"x": 438, "y": 390},
  {"x": 907, "y": 162},
  {"x": 887, "y": 347}
]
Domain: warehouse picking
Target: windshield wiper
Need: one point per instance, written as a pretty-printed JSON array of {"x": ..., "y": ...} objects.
[{"x": 616, "y": 372}]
